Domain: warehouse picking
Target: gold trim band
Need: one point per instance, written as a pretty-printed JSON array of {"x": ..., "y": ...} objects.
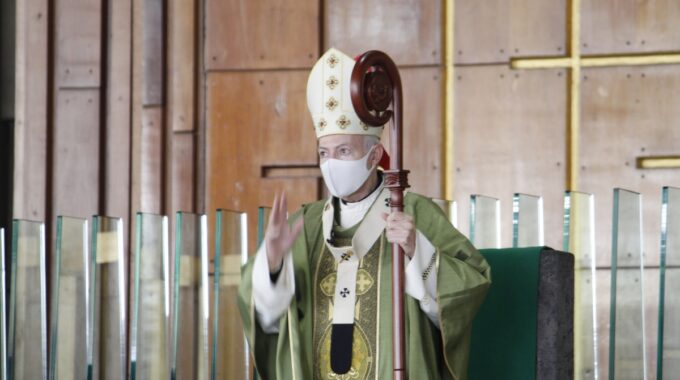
[
  {"x": 658, "y": 162},
  {"x": 596, "y": 61},
  {"x": 448, "y": 92}
]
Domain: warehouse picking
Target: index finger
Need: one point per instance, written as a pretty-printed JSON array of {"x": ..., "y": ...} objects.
[
  {"x": 284, "y": 207},
  {"x": 274, "y": 214}
]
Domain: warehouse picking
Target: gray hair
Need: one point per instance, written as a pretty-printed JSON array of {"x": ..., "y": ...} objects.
[{"x": 370, "y": 141}]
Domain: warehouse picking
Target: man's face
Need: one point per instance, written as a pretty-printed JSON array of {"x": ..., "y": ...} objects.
[{"x": 341, "y": 147}]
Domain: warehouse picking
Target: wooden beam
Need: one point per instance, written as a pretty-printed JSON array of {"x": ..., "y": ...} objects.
[
  {"x": 117, "y": 97},
  {"x": 181, "y": 106},
  {"x": 153, "y": 33}
]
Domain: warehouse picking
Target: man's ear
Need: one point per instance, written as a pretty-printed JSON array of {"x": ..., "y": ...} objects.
[{"x": 378, "y": 151}]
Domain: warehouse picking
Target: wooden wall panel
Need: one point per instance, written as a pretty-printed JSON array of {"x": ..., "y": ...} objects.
[
  {"x": 408, "y": 30},
  {"x": 136, "y": 109},
  {"x": 148, "y": 130},
  {"x": 153, "y": 33},
  {"x": 178, "y": 186},
  {"x": 494, "y": 31},
  {"x": 183, "y": 176},
  {"x": 75, "y": 165},
  {"x": 147, "y": 179},
  {"x": 629, "y": 112},
  {"x": 30, "y": 138},
  {"x": 243, "y": 130},
  {"x": 182, "y": 64},
  {"x": 78, "y": 40},
  {"x": 422, "y": 143},
  {"x": 629, "y": 26},
  {"x": 287, "y": 133},
  {"x": 510, "y": 137},
  {"x": 181, "y": 116},
  {"x": 258, "y": 34},
  {"x": 118, "y": 94}
]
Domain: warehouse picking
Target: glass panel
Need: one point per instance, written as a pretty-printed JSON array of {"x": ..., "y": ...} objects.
[
  {"x": 485, "y": 221},
  {"x": 69, "y": 324},
  {"x": 627, "y": 323},
  {"x": 191, "y": 311},
  {"x": 3, "y": 308},
  {"x": 450, "y": 208},
  {"x": 150, "y": 299},
  {"x": 230, "y": 356},
  {"x": 108, "y": 301},
  {"x": 262, "y": 220},
  {"x": 579, "y": 239},
  {"x": 527, "y": 220},
  {"x": 27, "y": 343},
  {"x": 668, "y": 365}
]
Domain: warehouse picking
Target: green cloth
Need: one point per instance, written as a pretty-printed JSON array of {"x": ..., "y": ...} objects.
[
  {"x": 504, "y": 343},
  {"x": 463, "y": 280}
]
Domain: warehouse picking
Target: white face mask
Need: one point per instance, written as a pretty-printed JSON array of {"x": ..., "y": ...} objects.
[{"x": 344, "y": 177}]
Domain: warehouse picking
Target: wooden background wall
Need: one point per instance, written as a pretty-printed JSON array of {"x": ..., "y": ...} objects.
[
  {"x": 511, "y": 125},
  {"x": 105, "y": 108},
  {"x": 158, "y": 106},
  {"x": 127, "y": 106},
  {"x": 260, "y": 137}
]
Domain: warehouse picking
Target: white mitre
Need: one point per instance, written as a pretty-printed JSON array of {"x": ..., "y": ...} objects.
[{"x": 328, "y": 97}]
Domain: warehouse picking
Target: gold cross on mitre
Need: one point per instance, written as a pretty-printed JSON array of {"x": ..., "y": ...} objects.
[{"x": 574, "y": 61}]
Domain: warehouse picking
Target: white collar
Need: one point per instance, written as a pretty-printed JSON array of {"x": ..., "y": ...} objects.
[
  {"x": 368, "y": 231},
  {"x": 352, "y": 213}
]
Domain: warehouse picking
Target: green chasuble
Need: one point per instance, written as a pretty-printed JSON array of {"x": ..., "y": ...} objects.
[{"x": 301, "y": 348}]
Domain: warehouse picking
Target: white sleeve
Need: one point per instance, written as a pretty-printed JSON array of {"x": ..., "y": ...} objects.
[
  {"x": 271, "y": 300},
  {"x": 421, "y": 277}
]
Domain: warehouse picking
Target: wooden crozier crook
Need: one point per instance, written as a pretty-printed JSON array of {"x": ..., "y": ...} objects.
[{"x": 375, "y": 85}]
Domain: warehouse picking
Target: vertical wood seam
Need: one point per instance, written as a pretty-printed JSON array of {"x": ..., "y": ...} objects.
[
  {"x": 201, "y": 109},
  {"x": 322, "y": 34},
  {"x": 103, "y": 102},
  {"x": 128, "y": 249},
  {"x": 166, "y": 138},
  {"x": 49, "y": 147},
  {"x": 195, "y": 105}
]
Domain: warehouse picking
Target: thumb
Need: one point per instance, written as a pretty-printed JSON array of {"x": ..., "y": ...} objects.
[{"x": 385, "y": 216}]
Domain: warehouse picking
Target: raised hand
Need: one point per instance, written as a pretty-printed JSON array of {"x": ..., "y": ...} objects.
[
  {"x": 400, "y": 229},
  {"x": 280, "y": 237}
]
